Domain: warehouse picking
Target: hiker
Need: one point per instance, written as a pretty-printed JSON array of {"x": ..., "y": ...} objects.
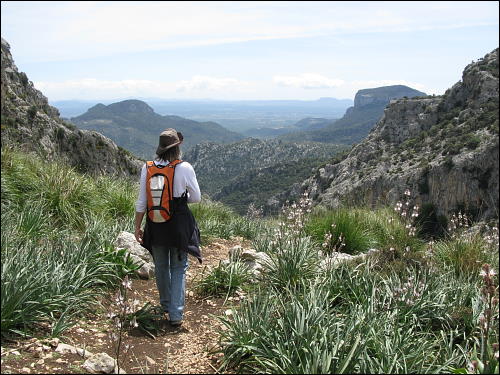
[{"x": 170, "y": 231}]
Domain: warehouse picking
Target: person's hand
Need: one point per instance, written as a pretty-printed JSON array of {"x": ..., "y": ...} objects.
[{"x": 138, "y": 235}]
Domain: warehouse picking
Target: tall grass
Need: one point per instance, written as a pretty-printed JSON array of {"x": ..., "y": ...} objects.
[
  {"x": 408, "y": 316},
  {"x": 58, "y": 229},
  {"x": 218, "y": 221},
  {"x": 362, "y": 229},
  {"x": 345, "y": 223},
  {"x": 465, "y": 254}
]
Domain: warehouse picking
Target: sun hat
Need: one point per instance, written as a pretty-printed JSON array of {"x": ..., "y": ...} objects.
[{"x": 168, "y": 139}]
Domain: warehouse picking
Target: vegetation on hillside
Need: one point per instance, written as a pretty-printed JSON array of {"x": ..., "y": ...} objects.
[
  {"x": 410, "y": 306},
  {"x": 133, "y": 125},
  {"x": 251, "y": 171}
]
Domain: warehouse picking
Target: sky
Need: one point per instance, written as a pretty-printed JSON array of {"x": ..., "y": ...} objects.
[{"x": 244, "y": 50}]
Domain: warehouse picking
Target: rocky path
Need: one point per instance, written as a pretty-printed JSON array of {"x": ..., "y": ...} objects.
[{"x": 188, "y": 349}]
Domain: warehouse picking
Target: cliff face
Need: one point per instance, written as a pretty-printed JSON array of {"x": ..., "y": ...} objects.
[
  {"x": 383, "y": 95},
  {"x": 31, "y": 124},
  {"x": 358, "y": 120},
  {"x": 444, "y": 149}
]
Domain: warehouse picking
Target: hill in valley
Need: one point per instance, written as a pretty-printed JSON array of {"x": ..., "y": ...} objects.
[
  {"x": 358, "y": 120},
  {"x": 135, "y": 126},
  {"x": 444, "y": 149},
  {"x": 251, "y": 170}
]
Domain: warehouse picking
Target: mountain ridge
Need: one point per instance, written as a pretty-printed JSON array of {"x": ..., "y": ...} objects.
[
  {"x": 359, "y": 119},
  {"x": 134, "y": 125},
  {"x": 29, "y": 123},
  {"x": 444, "y": 149}
]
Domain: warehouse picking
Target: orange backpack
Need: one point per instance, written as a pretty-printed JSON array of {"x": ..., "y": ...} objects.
[{"x": 160, "y": 190}]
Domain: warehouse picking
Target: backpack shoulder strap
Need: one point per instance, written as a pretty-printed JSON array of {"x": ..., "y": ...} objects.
[{"x": 174, "y": 163}]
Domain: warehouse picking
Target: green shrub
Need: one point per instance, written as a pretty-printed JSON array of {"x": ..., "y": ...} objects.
[
  {"x": 342, "y": 222},
  {"x": 225, "y": 279},
  {"x": 464, "y": 255}
]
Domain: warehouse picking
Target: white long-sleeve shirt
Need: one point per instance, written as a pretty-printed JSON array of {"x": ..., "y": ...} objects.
[{"x": 184, "y": 179}]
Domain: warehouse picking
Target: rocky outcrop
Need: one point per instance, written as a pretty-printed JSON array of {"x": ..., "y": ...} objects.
[
  {"x": 369, "y": 105},
  {"x": 31, "y": 124},
  {"x": 138, "y": 254},
  {"x": 444, "y": 149},
  {"x": 384, "y": 95},
  {"x": 255, "y": 261}
]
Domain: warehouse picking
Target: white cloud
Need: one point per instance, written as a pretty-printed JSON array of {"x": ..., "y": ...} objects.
[
  {"x": 205, "y": 83},
  {"x": 76, "y": 30},
  {"x": 90, "y": 88},
  {"x": 307, "y": 81}
]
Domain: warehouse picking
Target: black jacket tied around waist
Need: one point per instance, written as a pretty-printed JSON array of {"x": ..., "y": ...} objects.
[{"x": 180, "y": 232}]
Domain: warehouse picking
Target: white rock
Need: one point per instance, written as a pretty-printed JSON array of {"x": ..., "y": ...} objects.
[
  {"x": 139, "y": 254},
  {"x": 100, "y": 363},
  {"x": 150, "y": 361},
  {"x": 65, "y": 348}
]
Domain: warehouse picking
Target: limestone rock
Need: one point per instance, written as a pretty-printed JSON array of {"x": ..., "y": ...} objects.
[
  {"x": 254, "y": 260},
  {"x": 139, "y": 254},
  {"x": 30, "y": 123},
  {"x": 100, "y": 363},
  {"x": 336, "y": 258},
  {"x": 66, "y": 348},
  {"x": 444, "y": 149}
]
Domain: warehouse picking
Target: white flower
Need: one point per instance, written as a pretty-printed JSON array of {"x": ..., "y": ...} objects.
[{"x": 127, "y": 283}]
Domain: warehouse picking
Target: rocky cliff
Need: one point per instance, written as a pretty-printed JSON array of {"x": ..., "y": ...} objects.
[
  {"x": 369, "y": 105},
  {"x": 383, "y": 95},
  {"x": 443, "y": 149},
  {"x": 31, "y": 124}
]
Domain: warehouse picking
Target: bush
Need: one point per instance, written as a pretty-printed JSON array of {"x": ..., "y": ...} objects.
[
  {"x": 225, "y": 279},
  {"x": 57, "y": 243},
  {"x": 343, "y": 222},
  {"x": 464, "y": 255}
]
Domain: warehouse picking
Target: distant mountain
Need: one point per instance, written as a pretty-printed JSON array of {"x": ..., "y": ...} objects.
[
  {"x": 443, "y": 149},
  {"x": 235, "y": 115},
  {"x": 29, "y": 123},
  {"x": 252, "y": 170},
  {"x": 135, "y": 126},
  {"x": 369, "y": 105}
]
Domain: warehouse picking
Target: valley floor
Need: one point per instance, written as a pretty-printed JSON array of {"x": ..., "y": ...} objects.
[{"x": 188, "y": 349}]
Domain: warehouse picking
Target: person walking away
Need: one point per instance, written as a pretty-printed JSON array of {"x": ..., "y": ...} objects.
[{"x": 167, "y": 184}]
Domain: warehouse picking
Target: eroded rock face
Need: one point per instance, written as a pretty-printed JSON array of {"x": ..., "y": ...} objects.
[
  {"x": 444, "y": 149},
  {"x": 31, "y": 124}
]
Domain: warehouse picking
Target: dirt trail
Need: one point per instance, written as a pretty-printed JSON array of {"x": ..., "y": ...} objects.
[{"x": 188, "y": 349}]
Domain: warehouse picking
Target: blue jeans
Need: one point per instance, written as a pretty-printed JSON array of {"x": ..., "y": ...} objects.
[{"x": 170, "y": 270}]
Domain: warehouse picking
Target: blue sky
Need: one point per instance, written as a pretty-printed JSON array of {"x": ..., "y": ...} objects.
[{"x": 244, "y": 50}]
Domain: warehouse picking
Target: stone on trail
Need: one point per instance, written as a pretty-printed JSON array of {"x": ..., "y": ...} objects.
[{"x": 139, "y": 254}]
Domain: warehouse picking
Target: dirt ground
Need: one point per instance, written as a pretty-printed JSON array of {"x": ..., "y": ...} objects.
[{"x": 189, "y": 349}]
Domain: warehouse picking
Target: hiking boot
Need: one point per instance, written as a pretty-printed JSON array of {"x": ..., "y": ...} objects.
[{"x": 175, "y": 323}]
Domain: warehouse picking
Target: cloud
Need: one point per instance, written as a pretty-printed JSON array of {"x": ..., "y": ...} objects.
[
  {"x": 91, "y": 88},
  {"x": 76, "y": 30},
  {"x": 307, "y": 81},
  {"x": 205, "y": 83}
]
